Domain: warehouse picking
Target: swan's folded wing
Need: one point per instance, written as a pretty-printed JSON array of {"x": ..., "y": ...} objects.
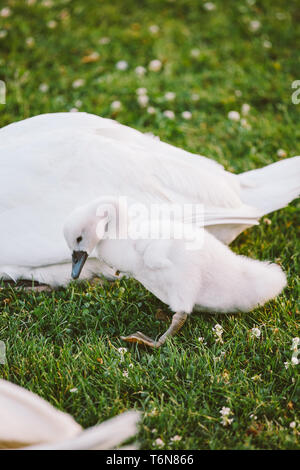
[
  {"x": 208, "y": 216},
  {"x": 187, "y": 183}
]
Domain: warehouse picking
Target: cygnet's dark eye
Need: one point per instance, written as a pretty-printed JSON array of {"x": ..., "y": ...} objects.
[{"x": 79, "y": 239}]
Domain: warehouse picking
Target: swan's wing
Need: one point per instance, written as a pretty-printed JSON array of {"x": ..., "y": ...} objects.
[
  {"x": 107, "y": 435},
  {"x": 27, "y": 419},
  {"x": 167, "y": 172}
]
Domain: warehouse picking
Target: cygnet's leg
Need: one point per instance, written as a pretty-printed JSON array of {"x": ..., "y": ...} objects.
[{"x": 178, "y": 321}]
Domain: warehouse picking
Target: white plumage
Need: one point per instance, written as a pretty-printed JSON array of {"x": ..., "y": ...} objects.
[
  {"x": 27, "y": 421},
  {"x": 192, "y": 272},
  {"x": 52, "y": 163}
]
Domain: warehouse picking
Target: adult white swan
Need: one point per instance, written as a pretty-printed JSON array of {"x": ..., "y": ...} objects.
[{"x": 52, "y": 163}]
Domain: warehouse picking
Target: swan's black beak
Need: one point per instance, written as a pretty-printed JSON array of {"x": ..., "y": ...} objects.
[{"x": 78, "y": 260}]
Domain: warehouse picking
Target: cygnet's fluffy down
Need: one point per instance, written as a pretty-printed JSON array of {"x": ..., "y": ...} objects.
[{"x": 199, "y": 273}]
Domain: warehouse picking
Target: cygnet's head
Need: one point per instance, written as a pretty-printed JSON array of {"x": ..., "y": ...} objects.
[{"x": 83, "y": 230}]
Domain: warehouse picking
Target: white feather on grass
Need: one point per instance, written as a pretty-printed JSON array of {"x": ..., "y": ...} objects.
[{"x": 30, "y": 422}]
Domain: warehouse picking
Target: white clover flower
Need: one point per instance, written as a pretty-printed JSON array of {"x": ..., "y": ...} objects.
[
  {"x": 281, "y": 153},
  {"x": 151, "y": 110},
  {"x": 234, "y": 115},
  {"x": 245, "y": 124},
  {"x": 296, "y": 352},
  {"x": 267, "y": 221},
  {"x": 254, "y": 25},
  {"x": 5, "y": 12},
  {"x": 293, "y": 424},
  {"x": 52, "y": 24},
  {"x": 125, "y": 373},
  {"x": 255, "y": 332},
  {"x": 186, "y": 115},
  {"x": 153, "y": 412},
  {"x": 78, "y": 103},
  {"x": 141, "y": 91},
  {"x": 170, "y": 96},
  {"x": 92, "y": 57},
  {"x": 122, "y": 65},
  {"x": 295, "y": 344},
  {"x": 154, "y": 29},
  {"x": 256, "y": 378},
  {"x": 3, "y": 33},
  {"x": 78, "y": 83},
  {"x": 73, "y": 110},
  {"x": 245, "y": 109},
  {"x": 30, "y": 42},
  {"x": 44, "y": 87},
  {"x": 218, "y": 331},
  {"x": 47, "y": 3},
  {"x": 195, "y": 52},
  {"x": 267, "y": 44},
  {"x": 176, "y": 438},
  {"x": 143, "y": 100},
  {"x": 195, "y": 97},
  {"x": 225, "y": 413},
  {"x": 238, "y": 93},
  {"x": 140, "y": 70},
  {"x": 159, "y": 442},
  {"x": 253, "y": 416},
  {"x": 169, "y": 114},
  {"x": 104, "y": 40},
  {"x": 209, "y": 6},
  {"x": 74, "y": 390},
  {"x": 122, "y": 350},
  {"x": 294, "y": 361},
  {"x": 218, "y": 328},
  {"x": 155, "y": 65}
]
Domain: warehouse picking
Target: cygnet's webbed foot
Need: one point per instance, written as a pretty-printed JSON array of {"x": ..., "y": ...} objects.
[
  {"x": 140, "y": 338},
  {"x": 178, "y": 321}
]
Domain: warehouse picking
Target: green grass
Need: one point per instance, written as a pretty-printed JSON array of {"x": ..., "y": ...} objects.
[{"x": 70, "y": 338}]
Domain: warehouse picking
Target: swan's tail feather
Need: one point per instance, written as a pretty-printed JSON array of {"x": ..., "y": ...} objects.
[
  {"x": 259, "y": 282},
  {"x": 272, "y": 187}
]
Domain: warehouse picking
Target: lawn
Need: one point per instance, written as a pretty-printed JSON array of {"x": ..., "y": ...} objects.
[{"x": 64, "y": 345}]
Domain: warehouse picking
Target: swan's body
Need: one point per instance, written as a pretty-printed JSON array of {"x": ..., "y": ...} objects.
[
  {"x": 52, "y": 163},
  {"x": 29, "y": 422},
  {"x": 185, "y": 273}
]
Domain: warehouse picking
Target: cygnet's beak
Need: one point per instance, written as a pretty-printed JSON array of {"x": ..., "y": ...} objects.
[{"x": 78, "y": 260}]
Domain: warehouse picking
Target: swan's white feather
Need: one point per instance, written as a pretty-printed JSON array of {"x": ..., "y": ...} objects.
[{"x": 30, "y": 422}]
